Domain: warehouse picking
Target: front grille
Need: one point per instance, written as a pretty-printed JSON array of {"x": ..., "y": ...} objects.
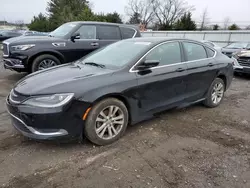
[
  {"x": 244, "y": 62},
  {"x": 16, "y": 97},
  {"x": 5, "y": 49}
]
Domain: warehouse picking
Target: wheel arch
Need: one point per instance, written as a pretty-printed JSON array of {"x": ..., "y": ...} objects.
[
  {"x": 224, "y": 78},
  {"x": 56, "y": 54},
  {"x": 121, "y": 98}
]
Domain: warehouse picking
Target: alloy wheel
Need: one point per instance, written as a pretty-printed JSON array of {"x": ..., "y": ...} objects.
[
  {"x": 46, "y": 63},
  {"x": 109, "y": 122},
  {"x": 217, "y": 93}
]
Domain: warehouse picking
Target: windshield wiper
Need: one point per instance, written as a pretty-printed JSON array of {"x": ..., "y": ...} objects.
[{"x": 95, "y": 64}]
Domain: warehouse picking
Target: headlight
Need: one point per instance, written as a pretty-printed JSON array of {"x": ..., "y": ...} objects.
[
  {"x": 50, "y": 101},
  {"x": 22, "y": 47}
]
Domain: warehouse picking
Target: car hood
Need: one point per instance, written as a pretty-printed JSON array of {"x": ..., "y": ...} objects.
[
  {"x": 243, "y": 54},
  {"x": 32, "y": 39},
  {"x": 230, "y": 50},
  {"x": 68, "y": 78}
]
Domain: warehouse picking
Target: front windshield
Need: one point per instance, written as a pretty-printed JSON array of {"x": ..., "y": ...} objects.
[
  {"x": 63, "y": 30},
  {"x": 238, "y": 45},
  {"x": 116, "y": 55}
]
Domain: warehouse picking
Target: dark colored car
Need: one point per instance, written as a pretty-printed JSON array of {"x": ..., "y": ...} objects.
[
  {"x": 123, "y": 83},
  {"x": 67, "y": 43},
  {"x": 242, "y": 62},
  {"x": 235, "y": 47},
  {"x": 4, "y": 35}
]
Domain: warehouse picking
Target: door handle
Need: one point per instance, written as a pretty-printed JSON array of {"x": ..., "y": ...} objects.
[
  {"x": 210, "y": 64},
  {"x": 180, "y": 70},
  {"x": 94, "y": 44}
]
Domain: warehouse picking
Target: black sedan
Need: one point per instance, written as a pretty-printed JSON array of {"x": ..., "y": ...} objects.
[
  {"x": 123, "y": 83},
  {"x": 4, "y": 35}
]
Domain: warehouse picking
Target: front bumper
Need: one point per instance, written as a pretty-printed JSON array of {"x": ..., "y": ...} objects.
[
  {"x": 13, "y": 64},
  {"x": 64, "y": 124},
  {"x": 240, "y": 69}
]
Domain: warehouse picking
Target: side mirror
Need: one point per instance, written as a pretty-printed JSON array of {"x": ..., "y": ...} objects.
[
  {"x": 75, "y": 36},
  {"x": 148, "y": 64}
]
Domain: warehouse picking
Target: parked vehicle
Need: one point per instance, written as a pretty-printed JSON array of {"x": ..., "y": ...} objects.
[
  {"x": 67, "y": 43},
  {"x": 235, "y": 47},
  {"x": 123, "y": 83},
  {"x": 4, "y": 35},
  {"x": 242, "y": 62},
  {"x": 212, "y": 44},
  {"x": 34, "y": 33}
]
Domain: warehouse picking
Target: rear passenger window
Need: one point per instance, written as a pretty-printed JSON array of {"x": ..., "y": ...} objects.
[
  {"x": 127, "y": 33},
  {"x": 194, "y": 51},
  {"x": 210, "y": 52},
  {"x": 109, "y": 33}
]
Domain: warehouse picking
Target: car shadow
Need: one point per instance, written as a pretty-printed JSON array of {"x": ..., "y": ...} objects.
[
  {"x": 242, "y": 76},
  {"x": 15, "y": 77}
]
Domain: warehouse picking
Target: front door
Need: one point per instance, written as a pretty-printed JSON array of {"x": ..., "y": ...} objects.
[
  {"x": 162, "y": 86},
  {"x": 87, "y": 43}
]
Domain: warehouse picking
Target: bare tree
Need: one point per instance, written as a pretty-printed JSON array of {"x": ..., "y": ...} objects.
[
  {"x": 144, "y": 8},
  {"x": 226, "y": 23},
  {"x": 204, "y": 19},
  {"x": 19, "y": 24},
  {"x": 167, "y": 12}
]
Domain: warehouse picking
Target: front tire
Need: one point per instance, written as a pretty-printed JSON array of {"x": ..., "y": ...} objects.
[
  {"x": 106, "y": 122},
  {"x": 44, "y": 61},
  {"x": 215, "y": 93}
]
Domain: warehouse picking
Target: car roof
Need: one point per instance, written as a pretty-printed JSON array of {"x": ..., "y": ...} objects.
[
  {"x": 105, "y": 23},
  {"x": 156, "y": 40}
]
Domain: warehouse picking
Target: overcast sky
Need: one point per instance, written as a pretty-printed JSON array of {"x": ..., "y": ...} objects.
[{"x": 237, "y": 10}]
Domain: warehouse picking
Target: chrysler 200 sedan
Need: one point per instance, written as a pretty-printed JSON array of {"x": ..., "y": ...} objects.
[{"x": 124, "y": 83}]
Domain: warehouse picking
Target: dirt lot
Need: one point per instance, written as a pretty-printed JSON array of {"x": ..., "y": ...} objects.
[{"x": 192, "y": 147}]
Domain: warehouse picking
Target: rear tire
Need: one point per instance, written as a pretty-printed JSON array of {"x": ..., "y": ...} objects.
[
  {"x": 44, "y": 61},
  {"x": 106, "y": 122},
  {"x": 215, "y": 93}
]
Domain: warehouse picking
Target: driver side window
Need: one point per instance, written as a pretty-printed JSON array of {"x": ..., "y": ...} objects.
[
  {"x": 87, "y": 32},
  {"x": 166, "y": 54}
]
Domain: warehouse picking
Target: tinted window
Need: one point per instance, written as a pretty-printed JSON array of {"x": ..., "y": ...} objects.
[
  {"x": 109, "y": 33},
  {"x": 210, "y": 52},
  {"x": 63, "y": 30},
  {"x": 87, "y": 32},
  {"x": 194, "y": 51},
  {"x": 168, "y": 53},
  {"x": 127, "y": 32}
]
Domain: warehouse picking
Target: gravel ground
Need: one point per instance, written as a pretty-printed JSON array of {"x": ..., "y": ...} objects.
[{"x": 191, "y": 147}]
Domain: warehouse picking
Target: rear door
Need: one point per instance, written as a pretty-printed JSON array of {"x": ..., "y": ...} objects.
[
  {"x": 202, "y": 69},
  {"x": 164, "y": 85},
  {"x": 108, "y": 34},
  {"x": 87, "y": 43}
]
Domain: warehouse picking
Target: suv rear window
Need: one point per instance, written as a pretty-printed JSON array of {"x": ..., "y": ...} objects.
[
  {"x": 109, "y": 33},
  {"x": 127, "y": 32}
]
